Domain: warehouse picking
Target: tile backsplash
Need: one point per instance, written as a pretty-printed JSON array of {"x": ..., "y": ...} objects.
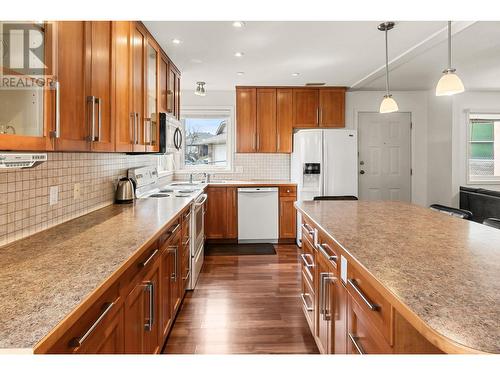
[
  {"x": 24, "y": 194},
  {"x": 255, "y": 167}
]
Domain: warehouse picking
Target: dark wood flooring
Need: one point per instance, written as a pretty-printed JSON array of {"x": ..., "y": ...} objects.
[{"x": 244, "y": 304}]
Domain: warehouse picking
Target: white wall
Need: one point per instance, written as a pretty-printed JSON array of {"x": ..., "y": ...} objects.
[
  {"x": 439, "y": 146},
  {"x": 473, "y": 101},
  {"x": 408, "y": 101}
]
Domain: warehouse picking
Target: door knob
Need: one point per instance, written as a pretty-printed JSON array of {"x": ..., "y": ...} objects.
[
  {"x": 361, "y": 172},
  {"x": 361, "y": 162}
]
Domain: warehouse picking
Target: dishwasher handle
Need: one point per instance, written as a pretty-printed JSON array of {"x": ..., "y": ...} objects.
[{"x": 257, "y": 190}]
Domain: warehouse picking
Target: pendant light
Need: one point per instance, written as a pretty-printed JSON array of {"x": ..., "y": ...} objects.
[
  {"x": 200, "y": 89},
  {"x": 450, "y": 83},
  {"x": 388, "y": 104}
]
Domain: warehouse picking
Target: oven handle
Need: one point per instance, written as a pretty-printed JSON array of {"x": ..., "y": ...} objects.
[{"x": 203, "y": 200}]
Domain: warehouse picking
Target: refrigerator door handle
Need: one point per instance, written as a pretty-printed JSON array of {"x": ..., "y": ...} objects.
[{"x": 324, "y": 158}]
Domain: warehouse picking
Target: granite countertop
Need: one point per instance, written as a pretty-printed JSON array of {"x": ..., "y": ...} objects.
[
  {"x": 444, "y": 269},
  {"x": 44, "y": 277}
]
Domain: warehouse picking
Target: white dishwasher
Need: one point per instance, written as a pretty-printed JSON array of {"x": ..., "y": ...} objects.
[{"x": 258, "y": 214}]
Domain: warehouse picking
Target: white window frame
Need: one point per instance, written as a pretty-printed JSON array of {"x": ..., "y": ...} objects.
[
  {"x": 210, "y": 112},
  {"x": 474, "y": 115}
]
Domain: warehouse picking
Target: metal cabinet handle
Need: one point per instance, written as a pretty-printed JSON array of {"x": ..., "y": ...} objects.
[
  {"x": 77, "y": 342},
  {"x": 99, "y": 118},
  {"x": 57, "y": 132},
  {"x": 322, "y": 277},
  {"x": 321, "y": 248},
  {"x": 132, "y": 120},
  {"x": 308, "y": 229},
  {"x": 320, "y": 116},
  {"x": 317, "y": 115},
  {"x": 91, "y": 100},
  {"x": 306, "y": 263},
  {"x": 146, "y": 262},
  {"x": 303, "y": 296},
  {"x": 136, "y": 128},
  {"x": 329, "y": 279},
  {"x": 174, "y": 275},
  {"x": 186, "y": 242},
  {"x": 357, "y": 345},
  {"x": 368, "y": 303},
  {"x": 148, "y": 326}
]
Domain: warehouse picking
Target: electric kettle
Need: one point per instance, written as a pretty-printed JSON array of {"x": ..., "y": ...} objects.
[{"x": 125, "y": 190}]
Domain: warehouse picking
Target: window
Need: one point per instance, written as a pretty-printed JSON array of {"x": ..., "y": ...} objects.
[
  {"x": 208, "y": 138},
  {"x": 484, "y": 148}
]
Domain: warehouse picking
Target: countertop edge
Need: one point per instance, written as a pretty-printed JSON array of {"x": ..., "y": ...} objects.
[{"x": 439, "y": 340}]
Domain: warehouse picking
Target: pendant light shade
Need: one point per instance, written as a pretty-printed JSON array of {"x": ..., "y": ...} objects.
[
  {"x": 450, "y": 83},
  {"x": 200, "y": 89},
  {"x": 388, "y": 104}
]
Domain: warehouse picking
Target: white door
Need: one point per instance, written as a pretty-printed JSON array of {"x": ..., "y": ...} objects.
[{"x": 384, "y": 156}]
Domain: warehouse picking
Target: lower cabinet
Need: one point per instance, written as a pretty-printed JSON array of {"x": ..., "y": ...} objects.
[{"x": 221, "y": 219}]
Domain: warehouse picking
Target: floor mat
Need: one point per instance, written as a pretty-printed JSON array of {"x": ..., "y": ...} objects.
[{"x": 240, "y": 249}]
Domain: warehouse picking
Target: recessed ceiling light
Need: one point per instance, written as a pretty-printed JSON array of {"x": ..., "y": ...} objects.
[
  {"x": 176, "y": 41},
  {"x": 238, "y": 54},
  {"x": 240, "y": 73},
  {"x": 295, "y": 74},
  {"x": 238, "y": 24}
]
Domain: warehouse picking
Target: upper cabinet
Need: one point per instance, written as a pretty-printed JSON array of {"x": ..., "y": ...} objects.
[
  {"x": 27, "y": 112},
  {"x": 107, "y": 83},
  {"x": 266, "y": 116}
]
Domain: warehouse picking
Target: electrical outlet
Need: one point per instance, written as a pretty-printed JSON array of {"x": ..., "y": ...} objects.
[
  {"x": 53, "y": 195},
  {"x": 76, "y": 191}
]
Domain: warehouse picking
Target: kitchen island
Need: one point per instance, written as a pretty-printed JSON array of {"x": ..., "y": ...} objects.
[{"x": 440, "y": 273}]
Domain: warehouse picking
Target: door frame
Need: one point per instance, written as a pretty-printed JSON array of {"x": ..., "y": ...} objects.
[{"x": 411, "y": 145}]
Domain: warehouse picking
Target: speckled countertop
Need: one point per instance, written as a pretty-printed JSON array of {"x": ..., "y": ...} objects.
[
  {"x": 43, "y": 278},
  {"x": 446, "y": 270}
]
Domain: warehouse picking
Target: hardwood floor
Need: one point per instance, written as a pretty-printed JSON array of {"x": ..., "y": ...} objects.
[{"x": 244, "y": 304}]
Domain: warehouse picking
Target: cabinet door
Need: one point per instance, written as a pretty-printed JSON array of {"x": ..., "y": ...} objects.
[
  {"x": 100, "y": 84},
  {"x": 175, "y": 291},
  {"x": 216, "y": 215},
  {"x": 124, "y": 117},
  {"x": 337, "y": 313},
  {"x": 151, "y": 282},
  {"x": 163, "y": 85},
  {"x": 135, "y": 318},
  {"x": 266, "y": 120},
  {"x": 284, "y": 120},
  {"x": 332, "y": 107},
  {"x": 151, "y": 127},
  {"x": 138, "y": 84},
  {"x": 171, "y": 89},
  {"x": 232, "y": 212},
  {"x": 305, "y": 108},
  {"x": 246, "y": 123},
  {"x": 27, "y": 115},
  {"x": 72, "y": 73},
  {"x": 165, "y": 288},
  {"x": 177, "y": 107},
  {"x": 322, "y": 322},
  {"x": 288, "y": 218}
]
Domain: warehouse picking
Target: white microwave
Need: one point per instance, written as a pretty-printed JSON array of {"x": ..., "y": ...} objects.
[{"x": 171, "y": 136}]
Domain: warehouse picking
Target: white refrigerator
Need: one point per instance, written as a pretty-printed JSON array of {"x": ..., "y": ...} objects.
[{"x": 324, "y": 162}]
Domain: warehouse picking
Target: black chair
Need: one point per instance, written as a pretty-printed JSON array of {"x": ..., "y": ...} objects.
[
  {"x": 492, "y": 222},
  {"x": 336, "y": 198},
  {"x": 463, "y": 214}
]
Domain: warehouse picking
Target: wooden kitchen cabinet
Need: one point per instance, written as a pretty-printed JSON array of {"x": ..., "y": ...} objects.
[
  {"x": 266, "y": 121},
  {"x": 332, "y": 107},
  {"x": 305, "y": 107},
  {"x": 232, "y": 212},
  {"x": 138, "y": 85},
  {"x": 151, "y": 120},
  {"x": 163, "y": 84},
  {"x": 284, "y": 120},
  {"x": 288, "y": 218},
  {"x": 173, "y": 91},
  {"x": 246, "y": 120}
]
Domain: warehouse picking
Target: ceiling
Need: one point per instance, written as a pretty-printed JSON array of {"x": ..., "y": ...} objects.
[{"x": 346, "y": 53}]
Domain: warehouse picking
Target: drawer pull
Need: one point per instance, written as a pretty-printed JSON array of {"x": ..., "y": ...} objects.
[
  {"x": 357, "y": 345},
  {"x": 303, "y": 296},
  {"x": 322, "y": 249},
  {"x": 308, "y": 229},
  {"x": 148, "y": 326},
  {"x": 368, "y": 303},
  {"x": 146, "y": 262},
  {"x": 77, "y": 342},
  {"x": 306, "y": 263}
]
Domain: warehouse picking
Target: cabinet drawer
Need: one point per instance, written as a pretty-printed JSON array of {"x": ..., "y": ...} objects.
[
  {"x": 329, "y": 251},
  {"x": 308, "y": 260},
  {"x": 96, "y": 329},
  {"x": 288, "y": 191},
  {"x": 166, "y": 237},
  {"x": 376, "y": 308},
  {"x": 308, "y": 231},
  {"x": 307, "y": 298},
  {"x": 362, "y": 336}
]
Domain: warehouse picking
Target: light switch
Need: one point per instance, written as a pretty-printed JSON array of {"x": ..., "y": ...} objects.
[
  {"x": 76, "y": 191},
  {"x": 53, "y": 195}
]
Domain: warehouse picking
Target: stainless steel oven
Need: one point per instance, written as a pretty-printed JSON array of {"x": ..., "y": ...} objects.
[{"x": 197, "y": 238}]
